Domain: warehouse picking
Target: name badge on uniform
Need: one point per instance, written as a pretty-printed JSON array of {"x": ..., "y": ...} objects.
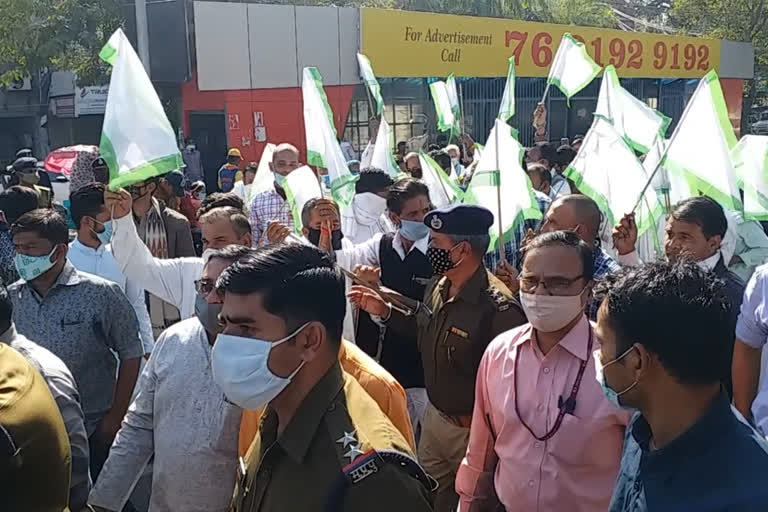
[{"x": 458, "y": 332}]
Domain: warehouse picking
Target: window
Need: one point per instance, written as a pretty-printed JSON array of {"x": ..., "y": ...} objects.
[{"x": 405, "y": 118}]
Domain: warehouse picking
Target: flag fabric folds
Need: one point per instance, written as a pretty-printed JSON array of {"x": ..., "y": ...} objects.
[
  {"x": 572, "y": 68},
  {"x": 607, "y": 170},
  {"x": 366, "y": 72},
  {"x": 323, "y": 148},
  {"x": 442, "y": 191},
  {"x": 137, "y": 140},
  {"x": 507, "y": 108},
  {"x": 446, "y": 118},
  {"x": 264, "y": 179},
  {"x": 750, "y": 161},
  {"x": 384, "y": 150},
  {"x": 505, "y": 180},
  {"x": 700, "y": 147},
  {"x": 301, "y": 186},
  {"x": 639, "y": 124}
]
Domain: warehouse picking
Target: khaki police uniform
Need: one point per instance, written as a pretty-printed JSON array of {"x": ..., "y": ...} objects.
[
  {"x": 453, "y": 334},
  {"x": 339, "y": 453},
  {"x": 35, "y": 458}
]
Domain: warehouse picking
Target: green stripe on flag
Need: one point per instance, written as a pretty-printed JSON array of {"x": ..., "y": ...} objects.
[{"x": 144, "y": 172}]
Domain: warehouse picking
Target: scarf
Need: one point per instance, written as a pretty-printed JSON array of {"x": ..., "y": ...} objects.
[{"x": 152, "y": 231}]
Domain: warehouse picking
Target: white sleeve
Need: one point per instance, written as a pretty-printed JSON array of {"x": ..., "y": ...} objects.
[
  {"x": 135, "y": 296},
  {"x": 366, "y": 253},
  {"x": 631, "y": 259},
  {"x": 170, "y": 280}
]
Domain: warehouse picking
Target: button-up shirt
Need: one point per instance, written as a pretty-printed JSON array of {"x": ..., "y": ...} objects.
[
  {"x": 752, "y": 330},
  {"x": 8, "y": 271},
  {"x": 269, "y": 206},
  {"x": 100, "y": 262},
  {"x": 576, "y": 468},
  {"x": 719, "y": 464},
  {"x": 83, "y": 319},
  {"x": 180, "y": 417}
]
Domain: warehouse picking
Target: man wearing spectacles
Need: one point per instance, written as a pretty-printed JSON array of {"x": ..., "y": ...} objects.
[
  {"x": 543, "y": 434},
  {"x": 179, "y": 410}
]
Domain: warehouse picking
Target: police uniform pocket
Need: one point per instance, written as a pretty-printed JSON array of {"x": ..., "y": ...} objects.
[{"x": 459, "y": 351}]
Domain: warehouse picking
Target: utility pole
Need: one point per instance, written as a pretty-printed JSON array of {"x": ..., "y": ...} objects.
[{"x": 142, "y": 34}]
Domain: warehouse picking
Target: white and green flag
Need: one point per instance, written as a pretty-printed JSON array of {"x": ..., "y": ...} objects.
[
  {"x": 323, "y": 148},
  {"x": 750, "y": 161},
  {"x": 572, "y": 68},
  {"x": 442, "y": 191},
  {"x": 507, "y": 108},
  {"x": 446, "y": 118},
  {"x": 607, "y": 170},
  {"x": 384, "y": 150},
  {"x": 264, "y": 179},
  {"x": 301, "y": 186},
  {"x": 700, "y": 147},
  {"x": 507, "y": 181},
  {"x": 639, "y": 124},
  {"x": 137, "y": 140},
  {"x": 366, "y": 72},
  {"x": 453, "y": 96}
]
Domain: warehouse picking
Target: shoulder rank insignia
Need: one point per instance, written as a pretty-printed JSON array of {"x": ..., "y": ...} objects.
[
  {"x": 362, "y": 468},
  {"x": 503, "y": 307}
]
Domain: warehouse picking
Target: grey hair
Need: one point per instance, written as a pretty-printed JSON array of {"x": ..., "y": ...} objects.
[{"x": 478, "y": 243}]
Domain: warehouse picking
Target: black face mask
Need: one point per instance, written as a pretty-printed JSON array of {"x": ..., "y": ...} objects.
[{"x": 336, "y": 236}]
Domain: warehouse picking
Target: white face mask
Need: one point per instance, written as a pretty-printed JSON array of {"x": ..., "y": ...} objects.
[
  {"x": 550, "y": 313},
  {"x": 240, "y": 368},
  {"x": 370, "y": 204}
]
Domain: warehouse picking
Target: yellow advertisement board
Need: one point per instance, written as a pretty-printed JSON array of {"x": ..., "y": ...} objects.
[{"x": 418, "y": 44}]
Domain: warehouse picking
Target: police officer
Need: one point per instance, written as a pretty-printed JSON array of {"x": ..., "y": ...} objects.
[
  {"x": 27, "y": 174},
  {"x": 324, "y": 444},
  {"x": 464, "y": 308}
]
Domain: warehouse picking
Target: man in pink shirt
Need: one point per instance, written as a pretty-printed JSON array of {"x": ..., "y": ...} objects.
[{"x": 543, "y": 435}]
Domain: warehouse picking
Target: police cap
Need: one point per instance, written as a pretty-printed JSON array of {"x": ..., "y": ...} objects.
[
  {"x": 460, "y": 219},
  {"x": 25, "y": 164}
]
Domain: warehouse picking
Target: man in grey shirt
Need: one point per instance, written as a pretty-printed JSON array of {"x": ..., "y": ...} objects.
[
  {"x": 83, "y": 319},
  {"x": 64, "y": 390}
]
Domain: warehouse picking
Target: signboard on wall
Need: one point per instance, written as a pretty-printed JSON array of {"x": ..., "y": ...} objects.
[
  {"x": 417, "y": 44},
  {"x": 91, "y": 100}
]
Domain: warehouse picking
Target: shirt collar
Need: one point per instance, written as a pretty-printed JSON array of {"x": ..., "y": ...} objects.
[
  {"x": 576, "y": 341},
  {"x": 421, "y": 244},
  {"x": 472, "y": 289},
  {"x": 9, "y": 335},
  {"x": 298, "y": 434},
  {"x": 708, "y": 428},
  {"x": 81, "y": 247}
]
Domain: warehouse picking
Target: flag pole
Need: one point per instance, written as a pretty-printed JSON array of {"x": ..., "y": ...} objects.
[
  {"x": 546, "y": 91},
  {"x": 502, "y": 249},
  {"x": 463, "y": 127}
]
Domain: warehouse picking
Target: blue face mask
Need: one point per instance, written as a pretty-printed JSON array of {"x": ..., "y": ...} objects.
[
  {"x": 31, "y": 267},
  {"x": 609, "y": 393},
  {"x": 413, "y": 230},
  {"x": 279, "y": 179},
  {"x": 105, "y": 236}
]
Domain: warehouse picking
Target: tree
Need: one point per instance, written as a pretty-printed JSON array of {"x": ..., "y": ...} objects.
[
  {"x": 737, "y": 20},
  {"x": 55, "y": 34}
]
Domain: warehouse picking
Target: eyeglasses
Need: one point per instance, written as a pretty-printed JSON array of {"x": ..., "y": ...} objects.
[
  {"x": 554, "y": 285},
  {"x": 204, "y": 286}
]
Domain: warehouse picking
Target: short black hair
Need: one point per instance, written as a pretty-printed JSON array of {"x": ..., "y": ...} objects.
[
  {"x": 704, "y": 212},
  {"x": 696, "y": 341},
  {"x": 218, "y": 200},
  {"x": 402, "y": 191},
  {"x": 16, "y": 201},
  {"x": 566, "y": 239},
  {"x": 441, "y": 158},
  {"x": 541, "y": 171},
  {"x": 6, "y": 308},
  {"x": 299, "y": 284},
  {"x": 229, "y": 253},
  {"x": 477, "y": 243},
  {"x": 373, "y": 180},
  {"x": 306, "y": 210},
  {"x": 565, "y": 155},
  {"x": 87, "y": 201},
  {"x": 548, "y": 151},
  {"x": 48, "y": 224}
]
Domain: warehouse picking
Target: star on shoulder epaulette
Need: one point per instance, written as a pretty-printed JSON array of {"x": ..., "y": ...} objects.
[{"x": 501, "y": 301}]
